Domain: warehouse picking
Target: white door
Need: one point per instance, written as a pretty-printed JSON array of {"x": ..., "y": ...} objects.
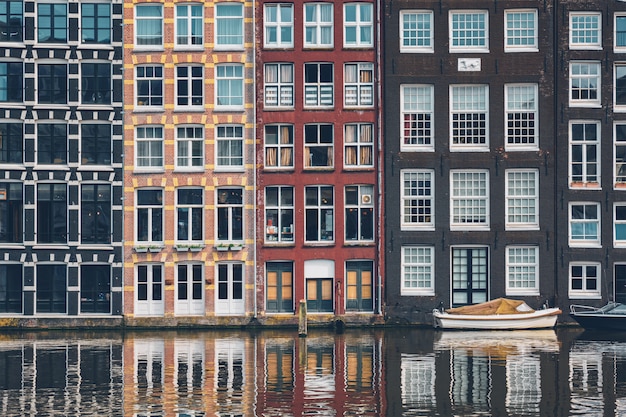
[
  {"x": 229, "y": 289},
  {"x": 189, "y": 290},
  {"x": 149, "y": 290}
]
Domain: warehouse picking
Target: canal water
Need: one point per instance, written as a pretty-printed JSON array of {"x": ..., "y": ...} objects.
[{"x": 364, "y": 372}]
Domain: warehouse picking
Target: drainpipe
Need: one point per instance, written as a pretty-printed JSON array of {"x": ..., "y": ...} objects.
[
  {"x": 381, "y": 155},
  {"x": 254, "y": 162}
]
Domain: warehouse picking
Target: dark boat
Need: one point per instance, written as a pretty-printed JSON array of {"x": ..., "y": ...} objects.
[{"x": 609, "y": 317}]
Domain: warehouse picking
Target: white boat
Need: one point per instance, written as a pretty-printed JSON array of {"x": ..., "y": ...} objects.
[{"x": 498, "y": 314}]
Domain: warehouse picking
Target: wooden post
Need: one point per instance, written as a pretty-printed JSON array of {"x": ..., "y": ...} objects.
[{"x": 302, "y": 321}]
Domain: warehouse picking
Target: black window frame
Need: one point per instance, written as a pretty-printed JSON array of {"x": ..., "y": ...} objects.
[
  {"x": 12, "y": 143},
  {"x": 52, "y": 213},
  {"x": 95, "y": 289},
  {"x": 11, "y": 212},
  {"x": 11, "y": 21},
  {"x": 48, "y": 19},
  {"x": 52, "y": 84},
  {"x": 51, "y": 298},
  {"x": 95, "y": 214},
  {"x": 95, "y": 83},
  {"x": 52, "y": 143},
  {"x": 13, "y": 75},
  {"x": 95, "y": 145},
  {"x": 96, "y": 22},
  {"x": 11, "y": 286}
]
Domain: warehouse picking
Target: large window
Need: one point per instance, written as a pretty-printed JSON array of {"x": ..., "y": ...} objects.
[
  {"x": 95, "y": 213},
  {"x": 359, "y": 286},
  {"x": 95, "y": 83},
  {"x": 469, "y": 117},
  {"x": 149, "y": 147},
  {"x": 520, "y": 34},
  {"x": 318, "y": 146},
  {"x": 522, "y": 199},
  {"x": 359, "y": 145},
  {"x": 52, "y": 22},
  {"x": 11, "y": 212},
  {"x": 469, "y": 195},
  {"x": 584, "y": 224},
  {"x": 149, "y": 85},
  {"x": 279, "y": 287},
  {"x": 358, "y": 25},
  {"x": 11, "y": 82},
  {"x": 620, "y": 32},
  {"x": 619, "y": 225},
  {"x": 359, "y": 85},
  {"x": 318, "y": 25},
  {"x": 190, "y": 86},
  {"x": 278, "y": 146},
  {"x": 585, "y": 30},
  {"x": 149, "y": 221},
  {"x": 279, "y": 214},
  {"x": 190, "y": 295},
  {"x": 521, "y": 112},
  {"x": 52, "y": 83},
  {"x": 619, "y": 91},
  {"x": 95, "y": 144},
  {"x": 148, "y": 26},
  {"x": 359, "y": 213},
  {"x": 584, "y": 82},
  {"x": 189, "y": 215},
  {"x": 416, "y": 31},
  {"x": 51, "y": 288},
  {"x": 469, "y": 31},
  {"x": 95, "y": 289},
  {"x": 522, "y": 270},
  {"x": 584, "y": 280},
  {"x": 229, "y": 140},
  {"x": 229, "y": 26},
  {"x": 52, "y": 143},
  {"x": 319, "y": 214},
  {"x": 418, "y": 270},
  {"x": 12, "y": 143},
  {"x": 11, "y": 21},
  {"x": 418, "y": 199},
  {"x": 416, "y": 124},
  {"x": 229, "y": 80},
  {"x": 11, "y": 288},
  {"x": 279, "y": 85},
  {"x": 96, "y": 23},
  {"x": 189, "y": 27},
  {"x": 51, "y": 213},
  {"x": 278, "y": 23},
  {"x": 619, "y": 141},
  {"x": 230, "y": 214},
  {"x": 318, "y": 85},
  {"x": 584, "y": 160},
  {"x": 190, "y": 148}
]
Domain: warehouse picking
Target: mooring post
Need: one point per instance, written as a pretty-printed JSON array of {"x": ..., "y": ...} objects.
[{"x": 302, "y": 330}]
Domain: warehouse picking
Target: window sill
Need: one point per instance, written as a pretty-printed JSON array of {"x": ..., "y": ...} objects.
[
  {"x": 101, "y": 46},
  {"x": 308, "y": 169},
  {"x": 95, "y": 246},
  {"x": 147, "y": 109},
  {"x": 586, "y": 185},
  {"x": 358, "y": 243},
  {"x": 51, "y": 246},
  {"x": 319, "y": 244},
  {"x": 224, "y": 109},
  {"x": 353, "y": 168},
  {"x": 229, "y": 48},
  {"x": 277, "y": 108},
  {"x": 586, "y": 104},
  {"x": 276, "y": 244},
  {"x": 585, "y": 245},
  {"x": 189, "y": 170},
  {"x": 191, "y": 247},
  {"x": 9, "y": 246},
  {"x": 49, "y": 167},
  {"x": 187, "y": 48},
  {"x": 107, "y": 168},
  {"x": 48, "y": 45},
  {"x": 95, "y": 107},
  {"x": 155, "y": 171},
  {"x": 190, "y": 109},
  {"x": 223, "y": 170},
  {"x": 10, "y": 166},
  {"x": 148, "y": 49},
  {"x": 47, "y": 106}
]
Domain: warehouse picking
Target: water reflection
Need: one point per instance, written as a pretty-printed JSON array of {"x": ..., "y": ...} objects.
[{"x": 276, "y": 373}]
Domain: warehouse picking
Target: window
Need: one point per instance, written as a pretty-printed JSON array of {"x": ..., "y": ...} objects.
[
  {"x": 229, "y": 80},
  {"x": 584, "y": 84},
  {"x": 95, "y": 144},
  {"x": 230, "y": 214},
  {"x": 95, "y": 213},
  {"x": 148, "y": 26},
  {"x": 318, "y": 146},
  {"x": 359, "y": 292},
  {"x": 51, "y": 213},
  {"x": 150, "y": 298},
  {"x": 278, "y": 146},
  {"x": 52, "y": 143},
  {"x": 620, "y": 32},
  {"x": 95, "y": 289},
  {"x": 189, "y": 26},
  {"x": 278, "y": 22},
  {"x": 96, "y": 83},
  {"x": 51, "y": 288},
  {"x": 319, "y": 214},
  {"x": 619, "y": 225},
  {"x": 359, "y": 213},
  {"x": 279, "y": 214},
  {"x": 469, "y": 30},
  {"x": 522, "y": 199},
  {"x": 279, "y": 85},
  {"x": 149, "y": 147},
  {"x": 12, "y": 143},
  {"x": 620, "y": 154},
  {"x": 190, "y": 301},
  {"x": 418, "y": 270},
  {"x": 52, "y": 84},
  {"x": 520, "y": 34},
  {"x": 358, "y": 25},
  {"x": 229, "y": 26},
  {"x": 229, "y": 147},
  {"x": 11, "y": 21},
  {"x": 359, "y": 145},
  {"x": 149, "y": 85},
  {"x": 416, "y": 103},
  {"x": 620, "y": 88},
  {"x": 521, "y": 116},
  {"x": 149, "y": 216},
  {"x": 190, "y": 148},
  {"x": 189, "y": 214},
  {"x": 11, "y": 212},
  {"x": 359, "y": 85},
  {"x": 584, "y": 160},
  {"x": 584, "y": 224},
  {"x": 318, "y": 25},
  {"x": 96, "y": 23},
  {"x": 416, "y": 31},
  {"x": 279, "y": 287},
  {"x": 52, "y": 23},
  {"x": 11, "y": 288},
  {"x": 11, "y": 82},
  {"x": 190, "y": 86},
  {"x": 469, "y": 195},
  {"x": 469, "y": 117},
  {"x": 585, "y": 30},
  {"x": 522, "y": 270},
  {"x": 318, "y": 85},
  {"x": 584, "y": 280},
  {"x": 418, "y": 199}
]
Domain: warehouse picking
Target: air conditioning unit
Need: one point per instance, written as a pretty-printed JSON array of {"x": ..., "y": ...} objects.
[{"x": 366, "y": 199}]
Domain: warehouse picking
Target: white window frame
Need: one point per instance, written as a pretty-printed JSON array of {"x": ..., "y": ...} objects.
[
  {"x": 150, "y": 208},
  {"x": 283, "y": 149},
  {"x": 619, "y": 223},
  {"x": 230, "y": 77},
  {"x": 190, "y": 79},
  {"x": 147, "y": 77},
  {"x": 417, "y": 195},
  {"x": 358, "y": 145},
  {"x": 584, "y": 29},
  {"x": 590, "y": 68},
  {"x": 190, "y": 23},
  {"x": 319, "y": 93},
  {"x": 230, "y": 209},
  {"x": 588, "y": 179},
  {"x": 616, "y": 33},
  {"x": 318, "y": 26},
  {"x": 619, "y": 86},
  {"x": 471, "y": 203},
  {"x": 227, "y": 135},
  {"x": 619, "y": 155},
  {"x": 584, "y": 243},
  {"x": 518, "y": 35},
  {"x": 150, "y": 306},
  {"x": 189, "y": 139},
  {"x": 421, "y": 266},
  {"x": 321, "y": 207},
  {"x": 522, "y": 270},
  {"x": 417, "y": 118},
  {"x": 280, "y": 233},
  {"x": 358, "y": 84},
  {"x": 278, "y": 26},
  {"x": 153, "y": 166},
  {"x": 520, "y": 111},
  {"x": 319, "y": 141},
  {"x": 475, "y": 109},
  {"x": 469, "y": 48},
  {"x": 521, "y": 199},
  {"x": 418, "y": 32},
  {"x": 190, "y": 208},
  {"x": 230, "y": 43},
  {"x": 585, "y": 293},
  {"x": 137, "y": 24},
  {"x": 359, "y": 25},
  {"x": 279, "y": 88}
]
